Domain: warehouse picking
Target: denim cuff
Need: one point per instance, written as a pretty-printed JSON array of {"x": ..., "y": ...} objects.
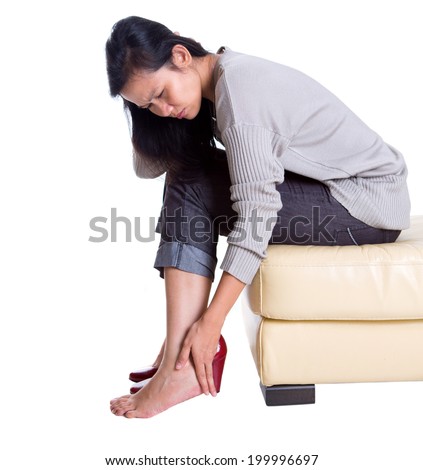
[{"x": 186, "y": 258}]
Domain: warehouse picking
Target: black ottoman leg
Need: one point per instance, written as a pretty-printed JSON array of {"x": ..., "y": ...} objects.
[{"x": 278, "y": 395}]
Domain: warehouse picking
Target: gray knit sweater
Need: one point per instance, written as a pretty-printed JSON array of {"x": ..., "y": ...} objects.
[{"x": 272, "y": 118}]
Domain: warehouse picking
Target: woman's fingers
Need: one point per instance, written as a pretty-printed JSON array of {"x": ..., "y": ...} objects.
[
  {"x": 200, "y": 344},
  {"x": 200, "y": 371},
  {"x": 183, "y": 356},
  {"x": 210, "y": 380},
  {"x": 204, "y": 372}
]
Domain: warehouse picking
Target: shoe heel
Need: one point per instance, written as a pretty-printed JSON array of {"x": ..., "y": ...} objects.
[
  {"x": 219, "y": 364},
  {"x": 143, "y": 374},
  {"x": 138, "y": 386}
]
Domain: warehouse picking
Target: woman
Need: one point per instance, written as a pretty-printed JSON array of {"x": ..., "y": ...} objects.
[{"x": 298, "y": 167}]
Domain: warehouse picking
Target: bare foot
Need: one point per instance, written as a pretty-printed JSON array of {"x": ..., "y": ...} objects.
[{"x": 164, "y": 390}]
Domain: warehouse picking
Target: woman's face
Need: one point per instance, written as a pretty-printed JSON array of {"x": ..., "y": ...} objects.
[{"x": 166, "y": 92}]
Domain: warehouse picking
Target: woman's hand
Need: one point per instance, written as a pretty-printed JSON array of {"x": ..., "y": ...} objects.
[
  {"x": 201, "y": 342},
  {"x": 202, "y": 338}
]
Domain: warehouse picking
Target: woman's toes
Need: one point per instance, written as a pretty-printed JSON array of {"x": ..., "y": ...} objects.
[
  {"x": 119, "y": 411},
  {"x": 122, "y": 405}
]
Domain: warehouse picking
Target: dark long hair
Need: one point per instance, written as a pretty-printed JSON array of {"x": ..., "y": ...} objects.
[{"x": 174, "y": 144}]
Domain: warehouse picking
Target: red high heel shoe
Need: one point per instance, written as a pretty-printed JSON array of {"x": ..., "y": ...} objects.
[
  {"x": 143, "y": 374},
  {"x": 218, "y": 365},
  {"x": 138, "y": 386}
]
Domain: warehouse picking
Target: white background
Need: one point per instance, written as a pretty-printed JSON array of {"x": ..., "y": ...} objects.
[{"x": 78, "y": 316}]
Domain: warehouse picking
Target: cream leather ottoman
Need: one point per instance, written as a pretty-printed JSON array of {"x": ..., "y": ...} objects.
[{"x": 337, "y": 314}]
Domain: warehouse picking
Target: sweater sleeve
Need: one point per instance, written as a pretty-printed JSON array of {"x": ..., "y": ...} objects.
[
  {"x": 144, "y": 169},
  {"x": 254, "y": 174}
]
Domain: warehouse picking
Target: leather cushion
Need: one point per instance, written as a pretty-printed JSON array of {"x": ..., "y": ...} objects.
[
  {"x": 305, "y": 352},
  {"x": 368, "y": 282}
]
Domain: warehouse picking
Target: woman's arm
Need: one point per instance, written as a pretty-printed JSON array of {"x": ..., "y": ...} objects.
[{"x": 202, "y": 338}]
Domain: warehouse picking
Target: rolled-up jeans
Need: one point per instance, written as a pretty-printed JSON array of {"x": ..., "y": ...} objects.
[{"x": 198, "y": 208}]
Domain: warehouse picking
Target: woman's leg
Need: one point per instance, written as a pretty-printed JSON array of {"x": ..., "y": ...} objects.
[
  {"x": 193, "y": 214},
  {"x": 186, "y": 260},
  {"x": 186, "y": 299}
]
